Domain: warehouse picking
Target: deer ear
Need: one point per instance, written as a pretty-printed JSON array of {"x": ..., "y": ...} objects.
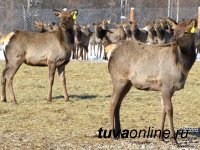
[
  {"x": 56, "y": 12},
  {"x": 172, "y": 23},
  {"x": 161, "y": 19},
  {"x": 74, "y": 14},
  {"x": 88, "y": 25},
  {"x": 36, "y": 22},
  {"x": 191, "y": 26}
]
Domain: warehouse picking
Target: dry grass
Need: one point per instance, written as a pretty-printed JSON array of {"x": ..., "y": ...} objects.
[{"x": 36, "y": 124}]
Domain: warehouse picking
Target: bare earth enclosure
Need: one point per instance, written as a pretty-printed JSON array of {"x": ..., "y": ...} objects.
[{"x": 36, "y": 124}]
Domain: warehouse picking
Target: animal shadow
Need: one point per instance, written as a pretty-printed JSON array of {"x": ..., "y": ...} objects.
[{"x": 83, "y": 97}]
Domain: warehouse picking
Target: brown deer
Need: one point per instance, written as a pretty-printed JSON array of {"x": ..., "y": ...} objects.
[
  {"x": 52, "y": 49},
  {"x": 108, "y": 36},
  {"x": 150, "y": 67},
  {"x": 181, "y": 25},
  {"x": 43, "y": 27},
  {"x": 92, "y": 43}
]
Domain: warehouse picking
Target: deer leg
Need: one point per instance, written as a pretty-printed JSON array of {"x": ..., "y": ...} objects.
[
  {"x": 74, "y": 52},
  {"x": 120, "y": 89},
  {"x": 86, "y": 52},
  {"x": 61, "y": 73},
  {"x": 91, "y": 46},
  {"x": 100, "y": 50},
  {"x": 52, "y": 69},
  {"x": 162, "y": 122},
  {"x": 77, "y": 51},
  {"x": 81, "y": 53},
  {"x": 168, "y": 108},
  {"x": 12, "y": 69},
  {"x": 3, "y": 85},
  {"x": 94, "y": 49}
]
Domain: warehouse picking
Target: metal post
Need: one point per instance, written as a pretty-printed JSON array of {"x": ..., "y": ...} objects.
[
  {"x": 177, "y": 12},
  {"x": 123, "y": 9},
  {"x": 168, "y": 8},
  {"x": 199, "y": 18}
]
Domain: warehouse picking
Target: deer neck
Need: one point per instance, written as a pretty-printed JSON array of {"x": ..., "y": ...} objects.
[
  {"x": 66, "y": 34},
  {"x": 187, "y": 54}
]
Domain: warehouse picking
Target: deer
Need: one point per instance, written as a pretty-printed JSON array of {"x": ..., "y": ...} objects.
[
  {"x": 106, "y": 36},
  {"x": 138, "y": 34},
  {"x": 82, "y": 37},
  {"x": 152, "y": 68},
  {"x": 98, "y": 34},
  {"x": 151, "y": 36},
  {"x": 86, "y": 33},
  {"x": 126, "y": 27},
  {"x": 163, "y": 36},
  {"x": 43, "y": 27},
  {"x": 52, "y": 49},
  {"x": 77, "y": 41},
  {"x": 93, "y": 43}
]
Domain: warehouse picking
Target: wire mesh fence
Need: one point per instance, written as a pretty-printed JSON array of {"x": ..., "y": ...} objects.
[
  {"x": 144, "y": 15},
  {"x": 23, "y": 19}
]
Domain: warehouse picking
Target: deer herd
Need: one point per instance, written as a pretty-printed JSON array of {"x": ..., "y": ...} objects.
[{"x": 157, "y": 57}]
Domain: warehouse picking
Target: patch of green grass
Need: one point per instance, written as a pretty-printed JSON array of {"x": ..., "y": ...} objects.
[{"x": 36, "y": 124}]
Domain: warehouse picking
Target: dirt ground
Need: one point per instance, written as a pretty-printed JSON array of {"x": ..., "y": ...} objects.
[{"x": 36, "y": 124}]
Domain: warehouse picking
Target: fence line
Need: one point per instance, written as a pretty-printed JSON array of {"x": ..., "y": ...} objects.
[{"x": 23, "y": 19}]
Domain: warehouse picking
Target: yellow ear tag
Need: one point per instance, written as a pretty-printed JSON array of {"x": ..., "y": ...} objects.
[
  {"x": 161, "y": 26},
  {"x": 192, "y": 30},
  {"x": 74, "y": 16}
]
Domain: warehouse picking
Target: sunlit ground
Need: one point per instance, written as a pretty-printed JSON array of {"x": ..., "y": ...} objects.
[{"x": 36, "y": 124}]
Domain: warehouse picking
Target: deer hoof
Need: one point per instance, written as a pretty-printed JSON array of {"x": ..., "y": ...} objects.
[
  {"x": 67, "y": 100},
  {"x": 4, "y": 100},
  {"x": 174, "y": 141},
  {"x": 49, "y": 100},
  {"x": 15, "y": 102}
]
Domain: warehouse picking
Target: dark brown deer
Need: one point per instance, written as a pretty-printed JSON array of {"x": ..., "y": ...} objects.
[
  {"x": 138, "y": 34},
  {"x": 82, "y": 37},
  {"x": 52, "y": 49},
  {"x": 86, "y": 33},
  {"x": 77, "y": 41},
  {"x": 127, "y": 30},
  {"x": 152, "y": 36},
  {"x": 150, "y": 67},
  {"x": 163, "y": 36},
  {"x": 99, "y": 34}
]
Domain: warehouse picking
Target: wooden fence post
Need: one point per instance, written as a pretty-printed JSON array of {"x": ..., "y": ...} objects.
[{"x": 132, "y": 15}]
